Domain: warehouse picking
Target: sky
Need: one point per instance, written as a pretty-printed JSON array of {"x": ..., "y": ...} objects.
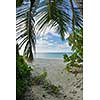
[{"x": 51, "y": 42}]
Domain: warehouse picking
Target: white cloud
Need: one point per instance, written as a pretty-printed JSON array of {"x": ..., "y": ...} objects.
[
  {"x": 50, "y": 46},
  {"x": 46, "y": 43},
  {"x": 43, "y": 41}
]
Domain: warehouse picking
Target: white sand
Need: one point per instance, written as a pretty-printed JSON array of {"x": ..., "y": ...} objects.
[{"x": 71, "y": 84}]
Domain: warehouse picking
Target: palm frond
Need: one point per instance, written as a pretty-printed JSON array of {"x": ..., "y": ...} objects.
[
  {"x": 25, "y": 31},
  {"x": 41, "y": 15},
  {"x": 59, "y": 13}
]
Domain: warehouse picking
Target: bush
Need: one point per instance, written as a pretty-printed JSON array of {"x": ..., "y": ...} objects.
[
  {"x": 75, "y": 60},
  {"x": 23, "y": 72},
  {"x": 40, "y": 78},
  {"x": 53, "y": 89}
]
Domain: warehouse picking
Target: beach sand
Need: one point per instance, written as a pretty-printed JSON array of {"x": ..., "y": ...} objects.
[{"x": 72, "y": 86}]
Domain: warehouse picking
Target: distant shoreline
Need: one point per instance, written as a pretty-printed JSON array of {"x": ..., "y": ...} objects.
[
  {"x": 52, "y": 55},
  {"x": 48, "y": 58},
  {"x": 54, "y": 52}
]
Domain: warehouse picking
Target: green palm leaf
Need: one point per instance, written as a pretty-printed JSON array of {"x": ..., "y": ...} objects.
[{"x": 58, "y": 12}]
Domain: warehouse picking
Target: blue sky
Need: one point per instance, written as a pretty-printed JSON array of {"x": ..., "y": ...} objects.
[{"x": 51, "y": 42}]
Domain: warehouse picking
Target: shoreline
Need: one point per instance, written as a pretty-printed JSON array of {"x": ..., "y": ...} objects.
[{"x": 48, "y": 59}]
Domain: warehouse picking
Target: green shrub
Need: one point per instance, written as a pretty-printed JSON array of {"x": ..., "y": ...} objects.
[
  {"x": 75, "y": 40},
  {"x": 40, "y": 78},
  {"x": 23, "y": 72},
  {"x": 53, "y": 89}
]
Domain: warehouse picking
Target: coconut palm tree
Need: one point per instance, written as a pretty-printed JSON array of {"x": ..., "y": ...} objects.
[{"x": 39, "y": 15}]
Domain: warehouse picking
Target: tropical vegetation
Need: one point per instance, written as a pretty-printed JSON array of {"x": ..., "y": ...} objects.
[
  {"x": 75, "y": 60},
  {"x": 23, "y": 72},
  {"x": 32, "y": 20}
]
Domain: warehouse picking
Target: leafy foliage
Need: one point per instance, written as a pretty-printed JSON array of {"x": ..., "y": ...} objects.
[
  {"x": 52, "y": 89},
  {"x": 23, "y": 73},
  {"x": 76, "y": 59},
  {"x": 40, "y": 78}
]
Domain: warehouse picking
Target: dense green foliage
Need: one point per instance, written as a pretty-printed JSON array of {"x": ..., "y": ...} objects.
[
  {"x": 22, "y": 77},
  {"x": 76, "y": 41}
]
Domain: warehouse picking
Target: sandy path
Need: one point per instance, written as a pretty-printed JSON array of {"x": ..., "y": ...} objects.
[{"x": 72, "y": 86}]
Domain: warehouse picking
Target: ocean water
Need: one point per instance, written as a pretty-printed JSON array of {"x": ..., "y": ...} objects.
[{"x": 51, "y": 55}]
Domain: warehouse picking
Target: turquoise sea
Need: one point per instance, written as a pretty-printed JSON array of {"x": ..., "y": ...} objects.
[{"x": 51, "y": 55}]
